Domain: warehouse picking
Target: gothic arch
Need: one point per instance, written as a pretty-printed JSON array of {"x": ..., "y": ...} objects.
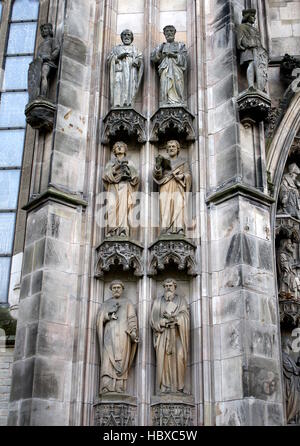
[
  {"x": 279, "y": 153},
  {"x": 281, "y": 144}
]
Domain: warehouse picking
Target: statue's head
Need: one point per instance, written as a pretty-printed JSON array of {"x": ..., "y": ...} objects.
[
  {"x": 120, "y": 149},
  {"x": 249, "y": 16},
  {"x": 170, "y": 286},
  {"x": 169, "y": 32},
  {"x": 46, "y": 30},
  {"x": 173, "y": 148},
  {"x": 294, "y": 169},
  {"x": 127, "y": 37},
  {"x": 286, "y": 244},
  {"x": 117, "y": 287}
]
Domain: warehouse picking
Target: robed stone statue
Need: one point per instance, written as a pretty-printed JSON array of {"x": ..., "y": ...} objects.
[
  {"x": 289, "y": 283},
  {"x": 126, "y": 66},
  {"x": 171, "y": 58},
  {"x": 291, "y": 374},
  {"x": 253, "y": 55},
  {"x": 289, "y": 198},
  {"x": 121, "y": 180},
  {"x": 45, "y": 64},
  {"x": 117, "y": 330},
  {"x": 173, "y": 176},
  {"x": 170, "y": 321}
]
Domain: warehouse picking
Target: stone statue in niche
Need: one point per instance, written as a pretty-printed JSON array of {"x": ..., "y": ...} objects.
[
  {"x": 126, "y": 66},
  {"x": 173, "y": 176},
  {"x": 291, "y": 374},
  {"x": 289, "y": 197},
  {"x": 117, "y": 330},
  {"x": 171, "y": 58},
  {"x": 289, "y": 283},
  {"x": 121, "y": 180},
  {"x": 45, "y": 64},
  {"x": 170, "y": 321},
  {"x": 253, "y": 54}
]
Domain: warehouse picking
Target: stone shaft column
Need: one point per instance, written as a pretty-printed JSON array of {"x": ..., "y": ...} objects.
[{"x": 245, "y": 326}]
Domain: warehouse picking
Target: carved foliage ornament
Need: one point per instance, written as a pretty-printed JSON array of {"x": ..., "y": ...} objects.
[
  {"x": 172, "y": 415},
  {"x": 115, "y": 414}
]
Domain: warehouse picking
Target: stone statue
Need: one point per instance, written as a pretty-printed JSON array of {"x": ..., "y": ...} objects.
[
  {"x": 171, "y": 58},
  {"x": 121, "y": 181},
  {"x": 253, "y": 54},
  {"x": 44, "y": 65},
  {"x": 289, "y": 283},
  {"x": 117, "y": 331},
  {"x": 289, "y": 192},
  {"x": 291, "y": 374},
  {"x": 126, "y": 65},
  {"x": 170, "y": 321},
  {"x": 173, "y": 176}
]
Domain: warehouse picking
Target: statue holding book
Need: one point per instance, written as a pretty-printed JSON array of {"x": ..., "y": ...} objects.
[{"x": 174, "y": 179}]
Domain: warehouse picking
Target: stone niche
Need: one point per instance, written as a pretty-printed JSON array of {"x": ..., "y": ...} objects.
[
  {"x": 175, "y": 408},
  {"x": 117, "y": 408}
]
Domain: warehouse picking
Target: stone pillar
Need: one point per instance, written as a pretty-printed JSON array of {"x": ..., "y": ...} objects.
[
  {"x": 245, "y": 334},
  {"x": 46, "y": 355}
]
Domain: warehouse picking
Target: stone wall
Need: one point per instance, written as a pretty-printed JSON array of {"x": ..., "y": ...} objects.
[
  {"x": 6, "y": 360},
  {"x": 285, "y": 27}
]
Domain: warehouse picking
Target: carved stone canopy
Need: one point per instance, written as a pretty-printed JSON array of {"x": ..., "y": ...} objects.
[
  {"x": 253, "y": 104},
  {"x": 168, "y": 249},
  {"x": 40, "y": 114},
  {"x": 289, "y": 313},
  {"x": 119, "y": 251},
  {"x": 178, "y": 120},
  {"x": 121, "y": 123}
]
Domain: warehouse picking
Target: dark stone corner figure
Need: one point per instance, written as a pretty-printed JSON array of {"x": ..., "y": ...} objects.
[
  {"x": 40, "y": 109},
  {"x": 254, "y": 102}
]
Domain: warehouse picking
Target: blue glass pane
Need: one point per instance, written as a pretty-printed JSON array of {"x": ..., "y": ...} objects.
[
  {"x": 21, "y": 38},
  {"x": 9, "y": 188},
  {"x": 16, "y": 73},
  {"x": 7, "y": 229},
  {"x": 11, "y": 147},
  {"x": 25, "y": 10},
  {"x": 0, "y": 11},
  {"x": 4, "y": 278},
  {"x": 12, "y": 109}
]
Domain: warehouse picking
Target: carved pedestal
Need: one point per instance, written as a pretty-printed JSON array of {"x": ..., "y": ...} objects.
[
  {"x": 40, "y": 114},
  {"x": 173, "y": 410},
  {"x": 119, "y": 251},
  {"x": 115, "y": 410},
  {"x": 168, "y": 249},
  {"x": 123, "y": 121},
  {"x": 177, "y": 119},
  {"x": 253, "y": 104}
]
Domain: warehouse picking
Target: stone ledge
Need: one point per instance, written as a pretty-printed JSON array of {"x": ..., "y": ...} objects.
[
  {"x": 228, "y": 192},
  {"x": 56, "y": 195}
]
